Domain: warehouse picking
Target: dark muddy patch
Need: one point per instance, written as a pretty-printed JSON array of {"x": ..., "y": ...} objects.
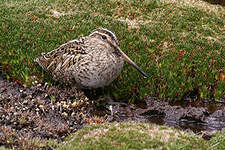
[
  {"x": 51, "y": 112},
  {"x": 42, "y": 112},
  {"x": 216, "y": 2},
  {"x": 201, "y": 117}
]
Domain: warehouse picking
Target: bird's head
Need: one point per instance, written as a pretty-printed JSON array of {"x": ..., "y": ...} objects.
[{"x": 109, "y": 37}]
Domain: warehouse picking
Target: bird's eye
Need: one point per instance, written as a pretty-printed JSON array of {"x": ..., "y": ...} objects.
[{"x": 104, "y": 37}]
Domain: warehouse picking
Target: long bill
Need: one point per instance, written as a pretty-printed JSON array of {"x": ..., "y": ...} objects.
[{"x": 127, "y": 59}]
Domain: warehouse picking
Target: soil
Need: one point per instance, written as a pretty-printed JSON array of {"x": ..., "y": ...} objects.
[
  {"x": 52, "y": 112},
  {"x": 216, "y": 2}
]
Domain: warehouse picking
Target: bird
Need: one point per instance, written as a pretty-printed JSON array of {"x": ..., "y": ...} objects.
[{"x": 88, "y": 62}]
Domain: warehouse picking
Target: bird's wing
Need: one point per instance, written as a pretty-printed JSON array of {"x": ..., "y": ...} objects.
[{"x": 63, "y": 56}]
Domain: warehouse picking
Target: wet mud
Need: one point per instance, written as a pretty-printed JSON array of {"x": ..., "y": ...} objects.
[
  {"x": 53, "y": 112},
  {"x": 200, "y": 117}
]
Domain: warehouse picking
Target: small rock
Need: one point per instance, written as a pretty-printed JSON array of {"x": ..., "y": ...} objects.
[{"x": 65, "y": 114}]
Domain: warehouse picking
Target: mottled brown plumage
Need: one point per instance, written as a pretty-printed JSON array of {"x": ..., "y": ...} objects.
[{"x": 88, "y": 62}]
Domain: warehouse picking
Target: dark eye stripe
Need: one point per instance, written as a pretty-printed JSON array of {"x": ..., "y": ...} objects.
[
  {"x": 104, "y": 37},
  {"x": 107, "y": 32}
]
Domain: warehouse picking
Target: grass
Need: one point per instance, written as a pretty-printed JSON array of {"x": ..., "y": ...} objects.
[
  {"x": 218, "y": 141},
  {"x": 125, "y": 135},
  {"x": 179, "y": 44},
  {"x": 119, "y": 136}
]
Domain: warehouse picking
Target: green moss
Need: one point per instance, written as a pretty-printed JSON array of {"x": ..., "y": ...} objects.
[
  {"x": 218, "y": 141},
  {"x": 132, "y": 136},
  {"x": 179, "y": 45},
  {"x": 2, "y": 148}
]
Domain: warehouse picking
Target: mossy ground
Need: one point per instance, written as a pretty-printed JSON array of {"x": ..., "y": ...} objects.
[
  {"x": 138, "y": 136},
  {"x": 218, "y": 141},
  {"x": 179, "y": 44},
  {"x": 130, "y": 135}
]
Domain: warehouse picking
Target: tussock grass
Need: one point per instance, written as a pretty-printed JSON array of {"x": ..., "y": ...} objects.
[{"x": 180, "y": 44}]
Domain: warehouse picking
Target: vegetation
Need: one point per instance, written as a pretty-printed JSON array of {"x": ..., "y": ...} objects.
[
  {"x": 218, "y": 141},
  {"x": 180, "y": 44},
  {"x": 138, "y": 136},
  {"x": 128, "y": 135}
]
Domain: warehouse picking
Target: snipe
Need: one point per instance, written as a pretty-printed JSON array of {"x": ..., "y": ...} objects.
[{"x": 92, "y": 61}]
